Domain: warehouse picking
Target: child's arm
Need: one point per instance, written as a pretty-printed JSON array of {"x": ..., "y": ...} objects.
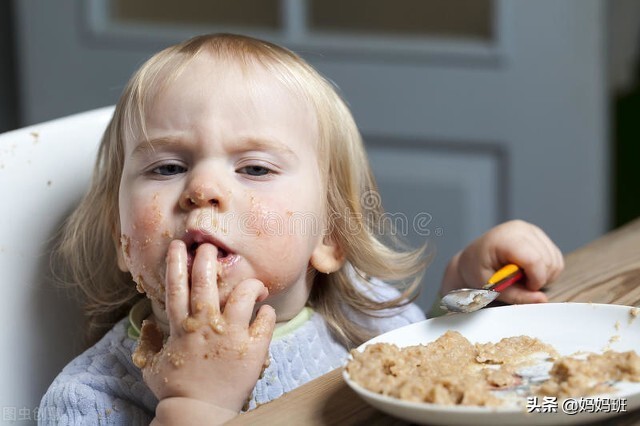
[
  {"x": 212, "y": 360},
  {"x": 512, "y": 242}
]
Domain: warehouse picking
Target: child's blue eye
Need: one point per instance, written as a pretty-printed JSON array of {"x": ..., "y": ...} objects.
[
  {"x": 255, "y": 170},
  {"x": 169, "y": 170}
]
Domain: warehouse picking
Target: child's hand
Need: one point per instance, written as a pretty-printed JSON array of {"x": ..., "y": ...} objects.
[
  {"x": 210, "y": 357},
  {"x": 517, "y": 242}
]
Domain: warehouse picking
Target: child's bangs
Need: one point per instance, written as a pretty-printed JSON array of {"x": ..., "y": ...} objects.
[{"x": 149, "y": 83}]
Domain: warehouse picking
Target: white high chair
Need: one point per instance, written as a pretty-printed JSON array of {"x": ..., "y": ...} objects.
[{"x": 44, "y": 170}]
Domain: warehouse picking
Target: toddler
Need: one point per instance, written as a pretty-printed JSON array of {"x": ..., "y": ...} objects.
[{"x": 225, "y": 216}]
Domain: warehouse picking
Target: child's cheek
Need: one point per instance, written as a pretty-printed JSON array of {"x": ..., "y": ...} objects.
[
  {"x": 259, "y": 221},
  {"x": 147, "y": 278},
  {"x": 149, "y": 216},
  {"x": 277, "y": 220},
  {"x": 283, "y": 239},
  {"x": 144, "y": 243}
]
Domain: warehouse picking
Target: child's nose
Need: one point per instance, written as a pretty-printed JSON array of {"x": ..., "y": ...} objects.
[
  {"x": 197, "y": 199},
  {"x": 203, "y": 192}
]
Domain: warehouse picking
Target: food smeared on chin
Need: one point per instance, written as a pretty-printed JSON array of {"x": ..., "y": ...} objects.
[{"x": 150, "y": 343}]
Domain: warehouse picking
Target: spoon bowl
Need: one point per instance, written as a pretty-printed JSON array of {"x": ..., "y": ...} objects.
[{"x": 467, "y": 300}]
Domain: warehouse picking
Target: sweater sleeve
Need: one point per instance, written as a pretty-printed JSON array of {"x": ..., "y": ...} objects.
[
  {"x": 100, "y": 386},
  {"x": 72, "y": 403}
]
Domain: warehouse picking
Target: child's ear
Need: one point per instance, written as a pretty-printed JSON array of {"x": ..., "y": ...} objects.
[{"x": 328, "y": 256}]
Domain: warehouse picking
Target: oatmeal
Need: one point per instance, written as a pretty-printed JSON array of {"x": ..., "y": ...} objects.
[
  {"x": 572, "y": 376},
  {"x": 453, "y": 371},
  {"x": 450, "y": 370}
]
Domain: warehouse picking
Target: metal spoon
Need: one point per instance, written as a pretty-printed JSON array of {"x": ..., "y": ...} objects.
[{"x": 471, "y": 299}]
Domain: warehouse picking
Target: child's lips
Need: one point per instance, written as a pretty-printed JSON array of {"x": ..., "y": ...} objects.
[
  {"x": 195, "y": 238},
  {"x": 225, "y": 259}
]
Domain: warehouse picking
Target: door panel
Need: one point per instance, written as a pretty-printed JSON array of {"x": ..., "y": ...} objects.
[{"x": 437, "y": 196}]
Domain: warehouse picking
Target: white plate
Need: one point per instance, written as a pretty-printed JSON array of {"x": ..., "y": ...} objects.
[{"x": 568, "y": 327}]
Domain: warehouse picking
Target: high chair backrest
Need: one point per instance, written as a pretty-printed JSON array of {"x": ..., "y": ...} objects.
[{"x": 44, "y": 170}]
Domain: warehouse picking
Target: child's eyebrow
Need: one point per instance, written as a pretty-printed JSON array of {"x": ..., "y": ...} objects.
[
  {"x": 259, "y": 144},
  {"x": 147, "y": 147}
]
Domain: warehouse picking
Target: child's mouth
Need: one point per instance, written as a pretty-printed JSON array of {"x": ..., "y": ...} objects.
[
  {"x": 224, "y": 258},
  {"x": 222, "y": 253}
]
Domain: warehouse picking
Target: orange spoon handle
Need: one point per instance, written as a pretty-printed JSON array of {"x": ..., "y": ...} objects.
[{"x": 504, "y": 277}]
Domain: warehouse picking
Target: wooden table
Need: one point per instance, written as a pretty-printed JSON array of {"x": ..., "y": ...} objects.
[{"x": 604, "y": 271}]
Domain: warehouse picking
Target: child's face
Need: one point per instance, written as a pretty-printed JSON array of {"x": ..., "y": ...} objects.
[{"x": 233, "y": 163}]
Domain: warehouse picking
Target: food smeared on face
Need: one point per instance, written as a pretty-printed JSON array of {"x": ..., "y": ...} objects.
[{"x": 224, "y": 164}]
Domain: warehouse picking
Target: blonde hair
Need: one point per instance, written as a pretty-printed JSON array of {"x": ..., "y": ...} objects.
[{"x": 90, "y": 237}]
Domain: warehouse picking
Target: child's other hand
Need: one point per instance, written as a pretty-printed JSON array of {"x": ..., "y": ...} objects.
[
  {"x": 517, "y": 242},
  {"x": 210, "y": 357}
]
